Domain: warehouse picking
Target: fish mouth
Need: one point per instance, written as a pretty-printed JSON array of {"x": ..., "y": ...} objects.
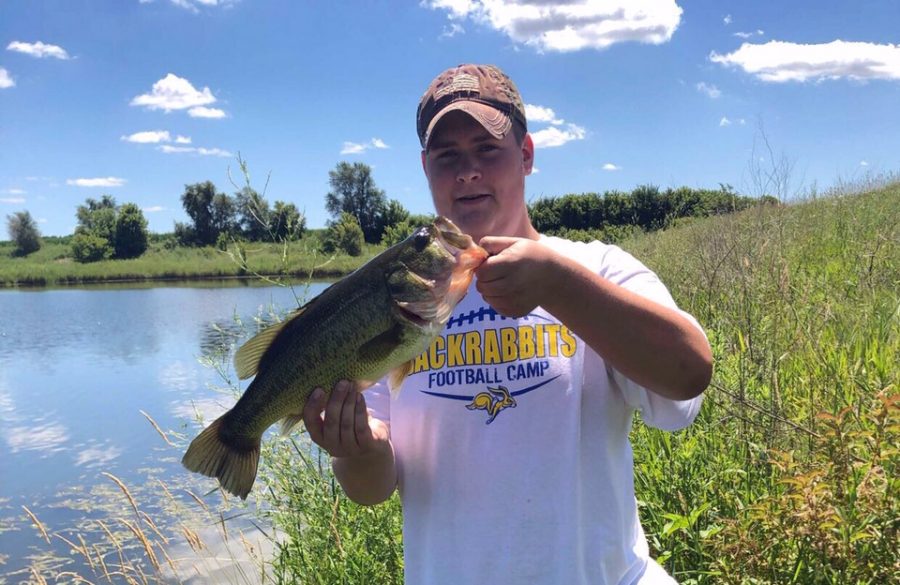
[{"x": 450, "y": 235}]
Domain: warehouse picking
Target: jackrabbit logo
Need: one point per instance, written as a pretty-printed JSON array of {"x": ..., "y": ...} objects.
[{"x": 493, "y": 401}]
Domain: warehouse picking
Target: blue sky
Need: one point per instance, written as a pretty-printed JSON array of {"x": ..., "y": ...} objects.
[{"x": 137, "y": 98}]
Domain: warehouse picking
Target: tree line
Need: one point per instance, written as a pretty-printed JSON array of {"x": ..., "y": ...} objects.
[{"x": 361, "y": 213}]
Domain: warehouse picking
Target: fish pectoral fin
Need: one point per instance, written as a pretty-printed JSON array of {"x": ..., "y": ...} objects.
[
  {"x": 289, "y": 423},
  {"x": 397, "y": 376},
  {"x": 247, "y": 358},
  {"x": 380, "y": 346}
]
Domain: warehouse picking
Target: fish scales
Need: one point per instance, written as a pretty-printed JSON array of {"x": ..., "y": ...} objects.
[{"x": 374, "y": 321}]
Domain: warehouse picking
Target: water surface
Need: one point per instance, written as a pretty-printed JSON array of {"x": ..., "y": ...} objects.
[{"x": 77, "y": 368}]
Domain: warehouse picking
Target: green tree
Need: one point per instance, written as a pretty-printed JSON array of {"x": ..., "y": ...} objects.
[
  {"x": 287, "y": 222},
  {"x": 87, "y": 247},
  {"x": 254, "y": 215},
  {"x": 353, "y": 191},
  {"x": 394, "y": 214},
  {"x": 197, "y": 201},
  {"x": 131, "y": 232},
  {"x": 343, "y": 235},
  {"x": 98, "y": 218},
  {"x": 224, "y": 215},
  {"x": 23, "y": 231}
]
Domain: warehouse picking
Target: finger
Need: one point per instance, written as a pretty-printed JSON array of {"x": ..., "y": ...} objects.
[
  {"x": 496, "y": 244},
  {"x": 348, "y": 414},
  {"x": 361, "y": 424},
  {"x": 333, "y": 415},
  {"x": 312, "y": 415}
]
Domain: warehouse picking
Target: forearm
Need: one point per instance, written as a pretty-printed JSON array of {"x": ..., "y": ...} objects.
[
  {"x": 367, "y": 479},
  {"x": 653, "y": 345}
]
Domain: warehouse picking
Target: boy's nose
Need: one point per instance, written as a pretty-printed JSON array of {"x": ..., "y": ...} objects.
[{"x": 468, "y": 171}]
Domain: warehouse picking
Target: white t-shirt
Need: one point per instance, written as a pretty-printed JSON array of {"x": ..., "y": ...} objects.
[{"x": 511, "y": 439}]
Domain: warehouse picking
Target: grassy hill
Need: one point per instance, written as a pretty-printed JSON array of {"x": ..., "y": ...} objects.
[{"x": 790, "y": 474}]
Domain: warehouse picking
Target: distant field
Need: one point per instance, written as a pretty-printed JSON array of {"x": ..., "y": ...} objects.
[{"x": 53, "y": 265}]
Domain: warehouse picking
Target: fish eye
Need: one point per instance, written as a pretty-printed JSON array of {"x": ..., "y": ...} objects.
[{"x": 422, "y": 238}]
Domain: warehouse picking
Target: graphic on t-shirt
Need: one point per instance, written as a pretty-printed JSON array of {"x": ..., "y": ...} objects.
[
  {"x": 486, "y": 360},
  {"x": 492, "y": 402}
]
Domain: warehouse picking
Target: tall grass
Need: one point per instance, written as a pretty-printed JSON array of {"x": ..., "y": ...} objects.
[{"x": 789, "y": 475}]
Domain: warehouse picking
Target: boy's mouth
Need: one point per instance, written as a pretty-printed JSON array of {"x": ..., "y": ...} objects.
[{"x": 474, "y": 197}]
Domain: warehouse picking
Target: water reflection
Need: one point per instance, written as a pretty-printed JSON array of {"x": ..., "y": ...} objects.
[{"x": 77, "y": 368}]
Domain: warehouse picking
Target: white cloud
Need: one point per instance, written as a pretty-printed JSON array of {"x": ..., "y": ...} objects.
[
  {"x": 148, "y": 137},
  {"x": 174, "y": 93},
  {"x": 202, "y": 112},
  {"x": 709, "y": 89},
  {"x": 553, "y": 136},
  {"x": 357, "y": 148},
  {"x": 535, "y": 170},
  {"x": 193, "y": 150},
  {"x": 724, "y": 122},
  {"x": 97, "y": 182},
  {"x": 611, "y": 167},
  {"x": 541, "y": 114},
  {"x": 566, "y": 25},
  {"x": 747, "y": 35},
  {"x": 16, "y": 191},
  {"x": 727, "y": 19},
  {"x": 191, "y": 5},
  {"x": 452, "y": 30},
  {"x": 863, "y": 163},
  {"x": 6, "y": 79},
  {"x": 12, "y": 200},
  {"x": 38, "y": 49},
  {"x": 780, "y": 62},
  {"x": 182, "y": 139},
  {"x": 153, "y": 209}
]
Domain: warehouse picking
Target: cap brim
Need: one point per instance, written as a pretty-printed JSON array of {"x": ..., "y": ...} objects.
[{"x": 493, "y": 120}]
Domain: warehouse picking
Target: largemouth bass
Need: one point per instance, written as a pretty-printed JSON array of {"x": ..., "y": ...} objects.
[{"x": 372, "y": 323}]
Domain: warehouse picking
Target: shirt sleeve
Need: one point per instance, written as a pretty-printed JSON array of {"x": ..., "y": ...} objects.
[{"x": 659, "y": 412}]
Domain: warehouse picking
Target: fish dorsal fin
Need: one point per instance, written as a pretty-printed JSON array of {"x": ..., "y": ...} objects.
[
  {"x": 246, "y": 359},
  {"x": 397, "y": 376}
]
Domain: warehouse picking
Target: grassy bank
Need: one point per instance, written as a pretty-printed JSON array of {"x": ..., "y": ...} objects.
[
  {"x": 790, "y": 473},
  {"x": 53, "y": 265}
]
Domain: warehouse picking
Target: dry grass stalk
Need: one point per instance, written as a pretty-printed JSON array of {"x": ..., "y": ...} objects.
[
  {"x": 158, "y": 430},
  {"x": 102, "y": 563},
  {"x": 86, "y": 552},
  {"x": 40, "y": 525},
  {"x": 152, "y": 525},
  {"x": 76, "y": 576},
  {"x": 222, "y": 524},
  {"x": 38, "y": 578},
  {"x": 80, "y": 549},
  {"x": 166, "y": 489},
  {"x": 148, "y": 548},
  {"x": 192, "y": 539},
  {"x": 199, "y": 501},
  {"x": 171, "y": 563},
  {"x": 113, "y": 540},
  {"x": 124, "y": 489}
]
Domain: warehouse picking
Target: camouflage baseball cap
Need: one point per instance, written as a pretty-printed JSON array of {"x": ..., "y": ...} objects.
[{"x": 482, "y": 91}]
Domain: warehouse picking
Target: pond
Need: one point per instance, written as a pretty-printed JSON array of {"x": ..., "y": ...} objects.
[{"x": 86, "y": 377}]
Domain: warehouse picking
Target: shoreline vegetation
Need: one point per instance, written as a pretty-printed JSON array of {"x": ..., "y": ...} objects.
[{"x": 250, "y": 262}]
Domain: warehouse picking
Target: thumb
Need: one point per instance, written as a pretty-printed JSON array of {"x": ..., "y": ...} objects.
[{"x": 493, "y": 245}]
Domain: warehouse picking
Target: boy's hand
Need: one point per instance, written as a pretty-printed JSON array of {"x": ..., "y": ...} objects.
[
  {"x": 517, "y": 276},
  {"x": 342, "y": 425}
]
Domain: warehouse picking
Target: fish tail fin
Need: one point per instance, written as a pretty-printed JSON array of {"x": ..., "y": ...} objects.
[{"x": 233, "y": 464}]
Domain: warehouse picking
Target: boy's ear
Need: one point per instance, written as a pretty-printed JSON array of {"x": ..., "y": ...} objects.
[{"x": 528, "y": 154}]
